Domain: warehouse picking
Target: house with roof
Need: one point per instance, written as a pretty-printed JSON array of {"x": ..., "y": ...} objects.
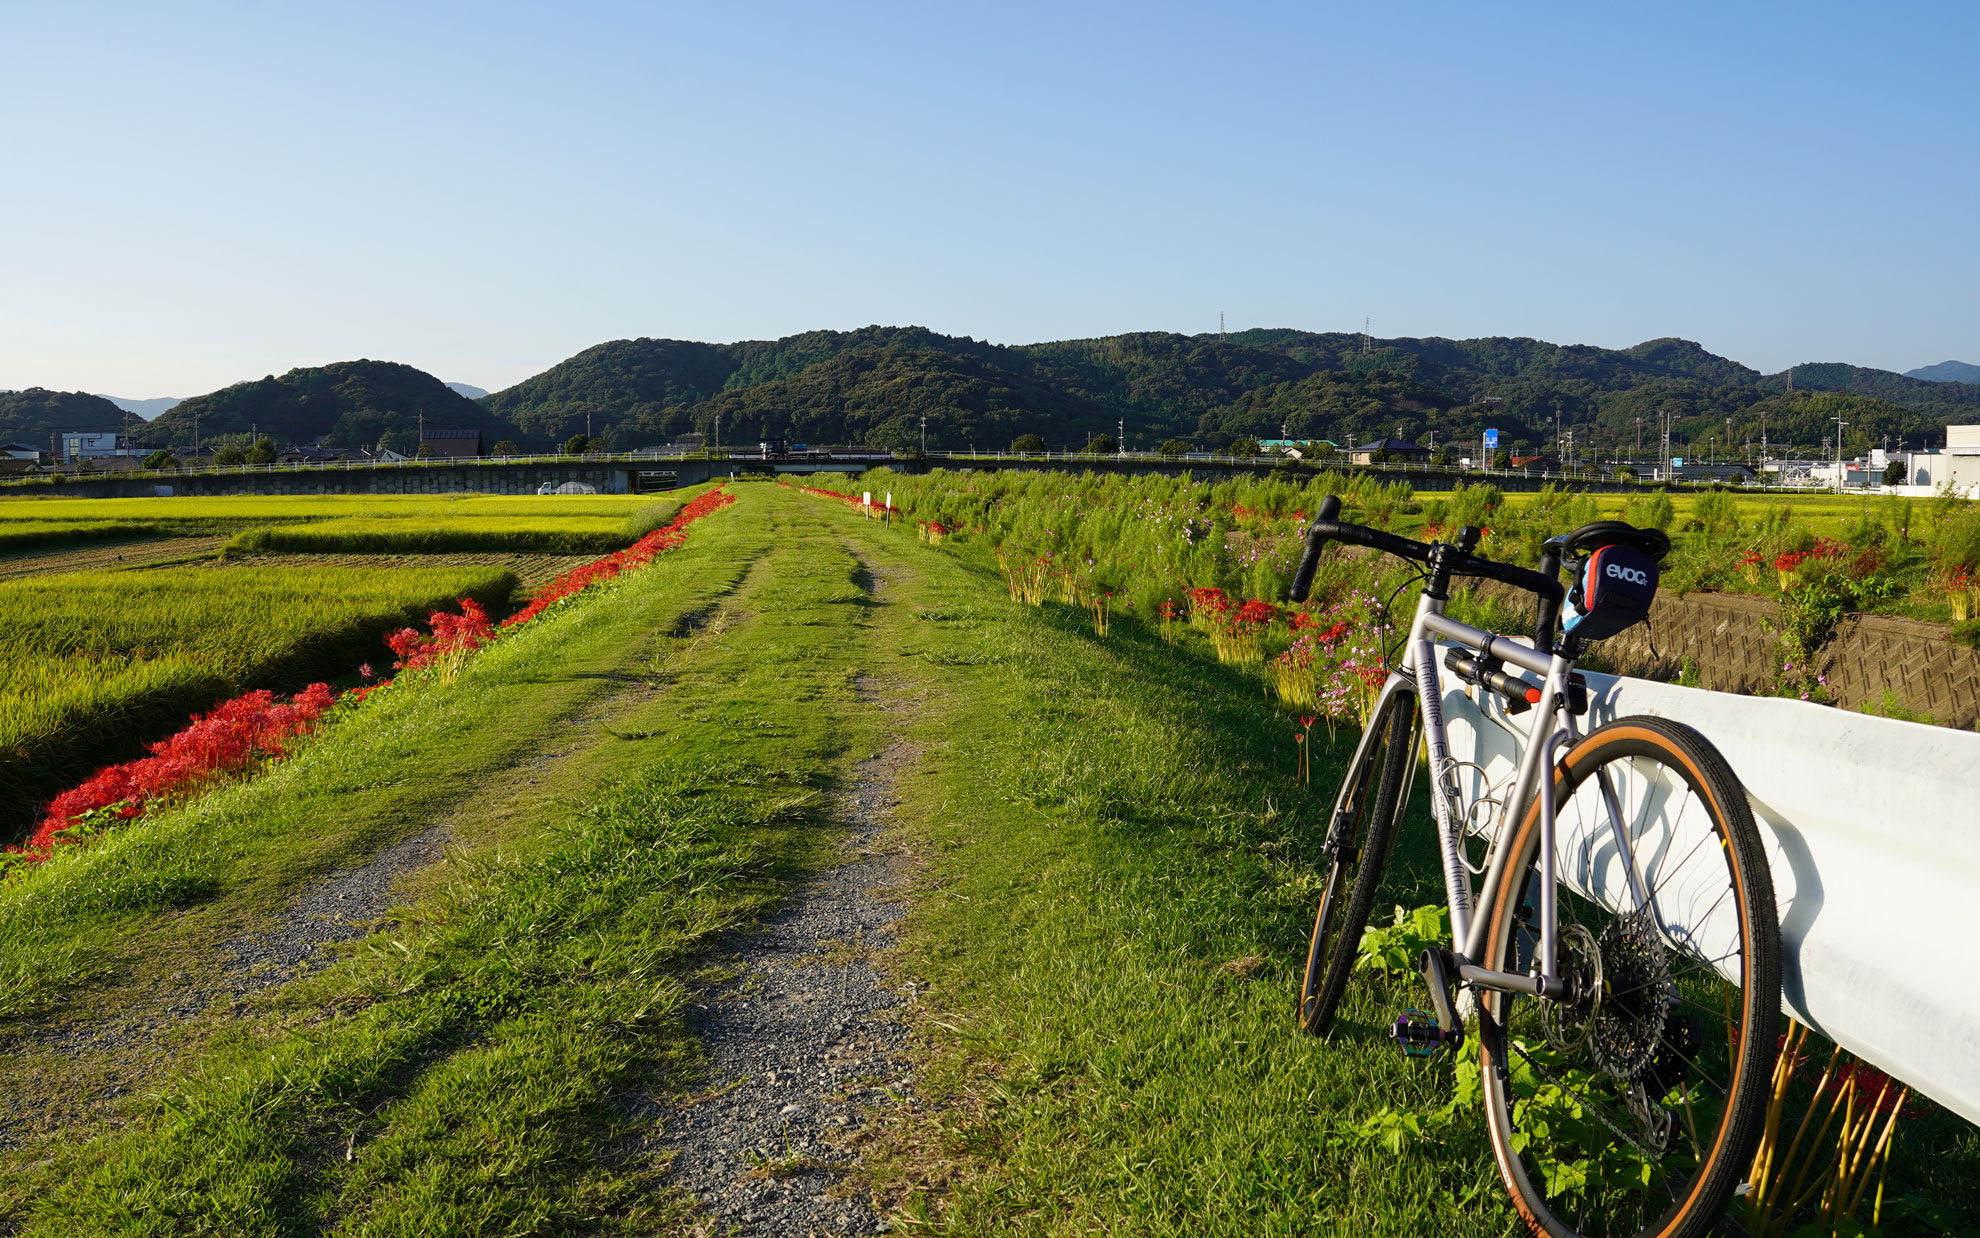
[
  {"x": 453, "y": 443},
  {"x": 1390, "y": 449}
]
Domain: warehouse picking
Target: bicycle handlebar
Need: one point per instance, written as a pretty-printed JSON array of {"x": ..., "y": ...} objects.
[{"x": 1326, "y": 528}]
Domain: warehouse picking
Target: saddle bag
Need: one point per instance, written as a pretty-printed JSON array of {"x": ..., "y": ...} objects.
[{"x": 1611, "y": 593}]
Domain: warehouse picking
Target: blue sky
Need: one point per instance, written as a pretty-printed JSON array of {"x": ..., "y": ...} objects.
[{"x": 197, "y": 194}]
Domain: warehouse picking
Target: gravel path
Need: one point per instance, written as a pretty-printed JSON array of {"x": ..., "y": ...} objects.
[
  {"x": 344, "y": 905},
  {"x": 801, "y": 1045}
]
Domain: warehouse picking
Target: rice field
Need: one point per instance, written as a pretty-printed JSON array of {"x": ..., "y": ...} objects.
[
  {"x": 34, "y": 534},
  {"x": 93, "y": 664}
]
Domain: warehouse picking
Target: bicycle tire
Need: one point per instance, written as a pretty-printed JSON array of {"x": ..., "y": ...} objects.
[
  {"x": 1371, "y": 793},
  {"x": 1654, "y": 1160}
]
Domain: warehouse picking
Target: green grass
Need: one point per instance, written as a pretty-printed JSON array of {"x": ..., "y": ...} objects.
[
  {"x": 1098, "y": 830},
  {"x": 94, "y": 664},
  {"x": 471, "y": 1053}
]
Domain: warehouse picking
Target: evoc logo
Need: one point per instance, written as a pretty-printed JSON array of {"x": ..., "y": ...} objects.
[{"x": 1634, "y": 576}]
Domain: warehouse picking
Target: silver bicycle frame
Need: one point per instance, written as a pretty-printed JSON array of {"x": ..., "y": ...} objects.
[{"x": 1552, "y": 728}]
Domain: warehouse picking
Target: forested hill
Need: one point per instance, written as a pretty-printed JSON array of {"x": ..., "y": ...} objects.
[
  {"x": 873, "y": 386},
  {"x": 353, "y": 402},
  {"x": 31, "y": 416}
]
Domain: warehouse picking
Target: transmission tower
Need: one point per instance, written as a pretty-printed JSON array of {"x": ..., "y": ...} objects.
[{"x": 1367, "y": 340}]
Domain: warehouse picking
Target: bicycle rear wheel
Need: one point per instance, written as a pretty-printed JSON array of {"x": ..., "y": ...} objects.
[
  {"x": 1360, "y": 834},
  {"x": 1633, "y": 1107}
]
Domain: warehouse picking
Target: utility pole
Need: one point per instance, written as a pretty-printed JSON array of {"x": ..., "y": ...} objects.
[
  {"x": 718, "y": 429},
  {"x": 1840, "y": 423},
  {"x": 924, "y": 434},
  {"x": 1639, "y": 441},
  {"x": 1120, "y": 437}
]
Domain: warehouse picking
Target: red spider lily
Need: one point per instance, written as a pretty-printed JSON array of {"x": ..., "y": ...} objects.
[
  {"x": 1255, "y": 614},
  {"x": 1791, "y": 560},
  {"x": 1873, "y": 1087},
  {"x": 1302, "y": 621},
  {"x": 238, "y": 735},
  {"x": 453, "y": 636},
  {"x": 1168, "y": 610},
  {"x": 642, "y": 551},
  {"x": 1209, "y": 602},
  {"x": 234, "y": 737}
]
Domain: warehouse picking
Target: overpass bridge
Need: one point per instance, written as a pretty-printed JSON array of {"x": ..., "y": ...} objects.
[{"x": 648, "y": 472}]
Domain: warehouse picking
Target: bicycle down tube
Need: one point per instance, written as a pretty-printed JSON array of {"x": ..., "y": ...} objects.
[{"x": 1552, "y": 726}]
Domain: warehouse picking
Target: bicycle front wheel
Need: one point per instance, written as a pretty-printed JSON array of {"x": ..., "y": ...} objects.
[
  {"x": 1360, "y": 834},
  {"x": 1633, "y": 1106}
]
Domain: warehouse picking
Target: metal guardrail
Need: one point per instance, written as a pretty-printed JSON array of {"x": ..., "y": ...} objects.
[{"x": 1873, "y": 832}]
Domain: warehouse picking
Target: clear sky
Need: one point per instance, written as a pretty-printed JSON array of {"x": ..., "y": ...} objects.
[{"x": 195, "y": 194}]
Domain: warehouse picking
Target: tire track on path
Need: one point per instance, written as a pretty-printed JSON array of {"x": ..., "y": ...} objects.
[{"x": 803, "y": 1042}]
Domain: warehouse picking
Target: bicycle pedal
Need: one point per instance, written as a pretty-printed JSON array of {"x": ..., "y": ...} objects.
[{"x": 1418, "y": 1034}]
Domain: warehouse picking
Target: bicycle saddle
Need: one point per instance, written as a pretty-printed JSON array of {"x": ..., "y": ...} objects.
[{"x": 1595, "y": 535}]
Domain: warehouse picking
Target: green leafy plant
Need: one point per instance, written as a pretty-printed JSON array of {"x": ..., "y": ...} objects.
[{"x": 1391, "y": 950}]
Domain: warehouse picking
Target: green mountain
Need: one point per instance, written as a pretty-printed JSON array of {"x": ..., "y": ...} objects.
[
  {"x": 859, "y": 386},
  {"x": 352, "y": 402},
  {"x": 877, "y": 394},
  {"x": 874, "y": 386},
  {"x": 1947, "y": 372},
  {"x": 31, "y": 416}
]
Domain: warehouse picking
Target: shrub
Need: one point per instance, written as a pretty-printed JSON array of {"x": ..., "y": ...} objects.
[
  {"x": 1173, "y": 448},
  {"x": 1027, "y": 444},
  {"x": 161, "y": 459},
  {"x": 506, "y": 447},
  {"x": 1103, "y": 445},
  {"x": 1245, "y": 447},
  {"x": 576, "y": 445},
  {"x": 229, "y": 455},
  {"x": 1650, "y": 511}
]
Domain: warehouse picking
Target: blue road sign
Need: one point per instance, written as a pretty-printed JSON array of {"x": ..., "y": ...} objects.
[{"x": 1491, "y": 440}]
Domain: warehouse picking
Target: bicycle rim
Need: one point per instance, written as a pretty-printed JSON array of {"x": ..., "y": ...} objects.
[
  {"x": 1635, "y": 1110},
  {"x": 1369, "y": 798}
]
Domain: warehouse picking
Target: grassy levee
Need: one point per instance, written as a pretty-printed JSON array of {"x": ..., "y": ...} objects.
[
  {"x": 469, "y": 1070},
  {"x": 1120, "y": 879}
]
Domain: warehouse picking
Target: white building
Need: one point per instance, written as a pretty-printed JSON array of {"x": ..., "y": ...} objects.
[{"x": 95, "y": 446}]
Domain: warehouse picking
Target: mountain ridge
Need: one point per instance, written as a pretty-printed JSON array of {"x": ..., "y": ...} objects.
[{"x": 874, "y": 384}]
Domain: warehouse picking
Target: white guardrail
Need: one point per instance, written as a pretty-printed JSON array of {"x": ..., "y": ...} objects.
[{"x": 1873, "y": 831}]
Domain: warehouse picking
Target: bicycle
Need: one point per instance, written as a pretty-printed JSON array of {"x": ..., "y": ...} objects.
[{"x": 1625, "y": 974}]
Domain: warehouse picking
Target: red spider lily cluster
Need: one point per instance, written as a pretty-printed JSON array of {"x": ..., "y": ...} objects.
[
  {"x": 577, "y": 580},
  {"x": 236, "y": 736},
  {"x": 453, "y": 638},
  {"x": 241, "y": 734}
]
